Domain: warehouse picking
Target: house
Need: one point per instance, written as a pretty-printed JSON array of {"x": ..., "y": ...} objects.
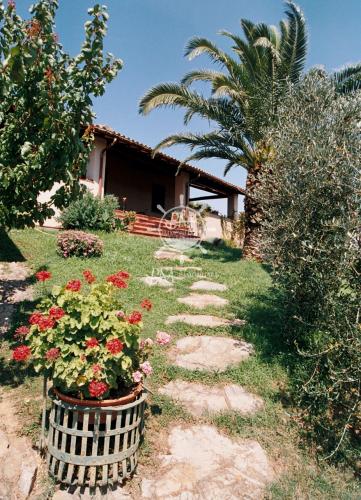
[{"x": 150, "y": 185}]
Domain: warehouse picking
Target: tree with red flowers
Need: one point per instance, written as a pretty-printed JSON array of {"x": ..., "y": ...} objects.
[{"x": 46, "y": 109}]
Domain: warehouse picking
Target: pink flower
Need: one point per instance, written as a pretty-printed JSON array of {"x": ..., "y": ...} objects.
[
  {"x": 120, "y": 314},
  {"x": 146, "y": 368},
  {"x": 137, "y": 376},
  {"x": 163, "y": 338},
  {"x": 21, "y": 331},
  {"x": 73, "y": 285},
  {"x": 52, "y": 354},
  {"x": 146, "y": 343},
  {"x": 96, "y": 368}
]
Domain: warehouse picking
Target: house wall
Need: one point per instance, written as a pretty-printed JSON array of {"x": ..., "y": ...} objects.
[
  {"x": 91, "y": 181},
  {"x": 133, "y": 178}
]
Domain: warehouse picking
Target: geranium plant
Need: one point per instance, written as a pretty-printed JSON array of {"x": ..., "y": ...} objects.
[{"x": 83, "y": 340}]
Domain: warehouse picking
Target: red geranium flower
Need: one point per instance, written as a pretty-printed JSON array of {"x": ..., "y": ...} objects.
[
  {"x": 92, "y": 342},
  {"x": 21, "y": 353},
  {"x": 123, "y": 274},
  {"x": 114, "y": 346},
  {"x": 89, "y": 277},
  {"x": 45, "y": 323},
  {"x": 52, "y": 354},
  {"x": 21, "y": 331},
  {"x": 97, "y": 389},
  {"x": 135, "y": 318},
  {"x": 35, "y": 318},
  {"x": 117, "y": 281},
  {"x": 43, "y": 275},
  {"x": 56, "y": 312},
  {"x": 73, "y": 285},
  {"x": 146, "y": 304}
]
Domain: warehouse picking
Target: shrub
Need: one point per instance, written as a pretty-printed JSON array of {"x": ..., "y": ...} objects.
[
  {"x": 79, "y": 244},
  {"x": 82, "y": 338},
  {"x": 311, "y": 235},
  {"x": 91, "y": 212}
]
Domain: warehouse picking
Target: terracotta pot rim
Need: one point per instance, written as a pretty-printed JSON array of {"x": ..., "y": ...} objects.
[{"x": 129, "y": 398}]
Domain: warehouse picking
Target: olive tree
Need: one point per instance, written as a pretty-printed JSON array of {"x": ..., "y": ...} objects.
[
  {"x": 46, "y": 109},
  {"x": 311, "y": 196}
]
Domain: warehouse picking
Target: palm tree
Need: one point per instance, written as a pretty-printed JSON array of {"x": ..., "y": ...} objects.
[{"x": 245, "y": 92}]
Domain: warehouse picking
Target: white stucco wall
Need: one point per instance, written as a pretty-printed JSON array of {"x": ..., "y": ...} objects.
[{"x": 91, "y": 181}]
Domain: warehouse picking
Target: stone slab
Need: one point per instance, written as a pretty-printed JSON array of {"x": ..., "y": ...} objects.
[
  {"x": 27, "y": 479},
  {"x": 156, "y": 281},
  {"x": 201, "y": 301},
  {"x": 201, "y": 463},
  {"x": 203, "y": 320},
  {"x": 208, "y": 286},
  {"x": 206, "y": 353},
  {"x": 200, "y": 399},
  {"x": 165, "y": 254}
]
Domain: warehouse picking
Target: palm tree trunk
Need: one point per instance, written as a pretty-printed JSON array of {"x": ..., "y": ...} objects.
[{"x": 253, "y": 216}]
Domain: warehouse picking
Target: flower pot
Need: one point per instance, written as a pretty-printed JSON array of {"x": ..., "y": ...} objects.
[
  {"x": 94, "y": 443},
  {"x": 93, "y": 403}
]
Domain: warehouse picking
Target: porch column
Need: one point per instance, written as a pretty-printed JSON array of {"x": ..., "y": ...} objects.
[
  {"x": 181, "y": 189},
  {"x": 232, "y": 206}
]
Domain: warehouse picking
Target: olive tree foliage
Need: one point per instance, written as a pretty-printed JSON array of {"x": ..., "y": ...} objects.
[
  {"x": 45, "y": 105},
  {"x": 311, "y": 196}
]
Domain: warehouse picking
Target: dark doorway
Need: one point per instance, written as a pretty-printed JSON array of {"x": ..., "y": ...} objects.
[{"x": 158, "y": 197}]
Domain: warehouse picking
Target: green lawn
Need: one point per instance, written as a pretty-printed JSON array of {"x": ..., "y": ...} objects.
[{"x": 266, "y": 374}]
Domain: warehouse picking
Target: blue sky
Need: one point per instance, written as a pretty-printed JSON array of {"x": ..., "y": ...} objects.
[{"x": 150, "y": 35}]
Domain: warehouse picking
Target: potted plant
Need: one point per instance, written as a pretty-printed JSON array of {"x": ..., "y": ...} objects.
[{"x": 89, "y": 346}]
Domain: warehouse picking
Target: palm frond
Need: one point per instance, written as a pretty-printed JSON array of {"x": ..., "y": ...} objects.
[
  {"x": 348, "y": 79},
  {"x": 198, "y": 46}
]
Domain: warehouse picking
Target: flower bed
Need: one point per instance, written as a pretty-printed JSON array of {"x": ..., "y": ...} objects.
[{"x": 79, "y": 244}]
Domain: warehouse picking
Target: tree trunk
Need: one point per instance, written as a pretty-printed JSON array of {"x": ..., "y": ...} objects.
[{"x": 253, "y": 216}]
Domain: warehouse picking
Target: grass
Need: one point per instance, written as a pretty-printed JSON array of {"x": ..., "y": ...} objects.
[{"x": 250, "y": 297}]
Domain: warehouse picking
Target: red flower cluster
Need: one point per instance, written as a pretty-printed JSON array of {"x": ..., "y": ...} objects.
[
  {"x": 115, "y": 346},
  {"x": 135, "y": 318},
  {"x": 52, "y": 354},
  {"x": 21, "y": 353},
  {"x": 92, "y": 342},
  {"x": 123, "y": 274},
  {"x": 89, "y": 277},
  {"x": 45, "y": 323},
  {"x": 43, "y": 275},
  {"x": 146, "y": 304},
  {"x": 35, "y": 318},
  {"x": 97, "y": 389},
  {"x": 56, "y": 313},
  {"x": 73, "y": 285},
  {"x": 117, "y": 281},
  {"x": 21, "y": 331}
]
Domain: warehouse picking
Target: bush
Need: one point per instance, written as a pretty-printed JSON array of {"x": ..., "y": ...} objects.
[
  {"x": 311, "y": 235},
  {"x": 79, "y": 244},
  {"x": 91, "y": 212}
]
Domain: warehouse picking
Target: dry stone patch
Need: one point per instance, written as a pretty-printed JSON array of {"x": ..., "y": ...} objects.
[
  {"x": 200, "y": 399},
  {"x": 202, "y": 463},
  {"x": 201, "y": 301},
  {"x": 203, "y": 320},
  {"x": 208, "y": 286},
  {"x": 207, "y": 353}
]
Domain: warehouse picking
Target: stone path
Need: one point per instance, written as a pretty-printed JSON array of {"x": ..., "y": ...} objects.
[
  {"x": 208, "y": 286},
  {"x": 203, "y": 320},
  {"x": 200, "y": 463},
  {"x": 201, "y": 301},
  {"x": 156, "y": 281},
  {"x": 206, "y": 353},
  {"x": 168, "y": 254},
  {"x": 200, "y": 399},
  {"x": 14, "y": 288}
]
